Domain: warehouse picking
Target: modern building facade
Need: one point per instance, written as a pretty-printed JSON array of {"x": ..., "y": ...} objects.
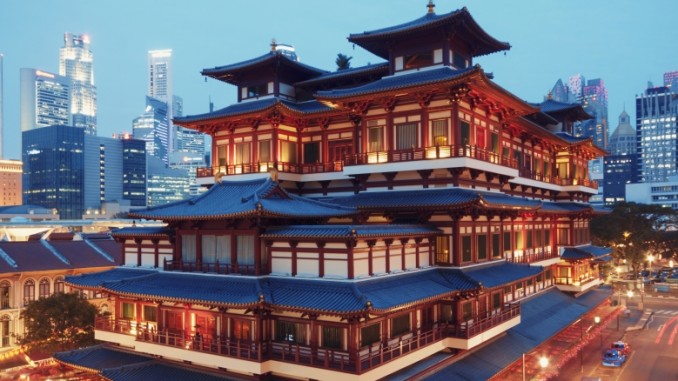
[
  {"x": 359, "y": 221},
  {"x": 657, "y": 134},
  {"x": 621, "y": 165},
  {"x": 161, "y": 87},
  {"x": 134, "y": 170},
  {"x": 10, "y": 182},
  {"x": 2, "y": 102},
  {"x": 45, "y": 99},
  {"x": 76, "y": 62},
  {"x": 165, "y": 184},
  {"x": 153, "y": 127}
]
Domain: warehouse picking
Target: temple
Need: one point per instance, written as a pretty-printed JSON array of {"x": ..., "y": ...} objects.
[{"x": 361, "y": 220}]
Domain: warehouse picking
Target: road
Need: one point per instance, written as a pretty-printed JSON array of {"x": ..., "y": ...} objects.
[{"x": 654, "y": 353}]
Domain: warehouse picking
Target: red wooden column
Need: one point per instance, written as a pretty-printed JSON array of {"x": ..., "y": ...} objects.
[
  {"x": 417, "y": 242},
  {"x": 257, "y": 255},
  {"x": 388, "y": 243},
  {"x": 269, "y": 257},
  {"x": 321, "y": 258},
  {"x": 293, "y": 246},
  {"x": 455, "y": 249},
  {"x": 198, "y": 250},
  {"x": 156, "y": 252},
  {"x": 187, "y": 320},
  {"x": 138, "y": 241},
  {"x": 403, "y": 243},
  {"x": 234, "y": 254},
  {"x": 353, "y": 345},
  {"x": 370, "y": 257}
]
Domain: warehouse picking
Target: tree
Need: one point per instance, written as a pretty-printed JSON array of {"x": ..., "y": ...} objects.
[
  {"x": 59, "y": 322},
  {"x": 343, "y": 61},
  {"x": 633, "y": 231}
]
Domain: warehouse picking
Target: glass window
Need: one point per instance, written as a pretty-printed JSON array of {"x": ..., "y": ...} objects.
[
  {"x": 188, "y": 248},
  {"x": 507, "y": 241},
  {"x": 447, "y": 313},
  {"x": 216, "y": 248},
  {"x": 443, "y": 249},
  {"x": 242, "y": 153},
  {"x": 242, "y": 329},
  {"x": 59, "y": 285},
  {"x": 375, "y": 139},
  {"x": 29, "y": 291},
  {"x": 245, "y": 249},
  {"x": 332, "y": 337},
  {"x": 264, "y": 151},
  {"x": 312, "y": 152},
  {"x": 528, "y": 233},
  {"x": 222, "y": 154},
  {"x": 400, "y": 324},
  {"x": 43, "y": 288},
  {"x": 494, "y": 144},
  {"x": 496, "y": 300},
  {"x": 496, "y": 249},
  {"x": 439, "y": 132},
  {"x": 127, "y": 310},
  {"x": 5, "y": 289},
  {"x": 288, "y": 152},
  {"x": 289, "y": 331},
  {"x": 420, "y": 59},
  {"x": 465, "y": 130},
  {"x": 547, "y": 237},
  {"x": 370, "y": 334},
  {"x": 257, "y": 90},
  {"x": 466, "y": 248},
  {"x": 518, "y": 240},
  {"x": 406, "y": 136},
  {"x": 150, "y": 313},
  {"x": 458, "y": 60},
  {"x": 482, "y": 246},
  {"x": 466, "y": 311}
]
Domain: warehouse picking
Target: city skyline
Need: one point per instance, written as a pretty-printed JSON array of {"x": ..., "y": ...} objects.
[{"x": 549, "y": 40}]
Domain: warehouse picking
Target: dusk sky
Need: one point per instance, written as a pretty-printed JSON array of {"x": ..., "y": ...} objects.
[{"x": 626, "y": 43}]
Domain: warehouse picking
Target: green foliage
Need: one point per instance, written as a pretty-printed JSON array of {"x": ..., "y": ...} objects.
[
  {"x": 59, "y": 322},
  {"x": 633, "y": 231},
  {"x": 343, "y": 61}
]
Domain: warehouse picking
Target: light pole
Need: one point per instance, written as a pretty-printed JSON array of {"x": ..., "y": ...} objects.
[
  {"x": 650, "y": 258},
  {"x": 543, "y": 363},
  {"x": 597, "y": 321}
]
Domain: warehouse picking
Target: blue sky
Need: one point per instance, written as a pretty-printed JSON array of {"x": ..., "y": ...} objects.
[{"x": 626, "y": 43}]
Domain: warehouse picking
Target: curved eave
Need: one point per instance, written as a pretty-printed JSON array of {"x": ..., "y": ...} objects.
[
  {"x": 489, "y": 87},
  {"x": 140, "y": 235},
  {"x": 284, "y": 307},
  {"x": 229, "y": 73},
  {"x": 381, "y": 311},
  {"x": 460, "y": 205},
  {"x": 77, "y": 366},
  {"x": 84, "y": 287},
  {"x": 344, "y": 74},
  {"x": 345, "y": 237},
  {"x": 197, "y": 217},
  {"x": 172, "y": 299},
  {"x": 373, "y": 41}
]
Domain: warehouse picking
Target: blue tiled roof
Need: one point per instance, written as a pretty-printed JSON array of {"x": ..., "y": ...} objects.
[
  {"x": 351, "y": 72},
  {"x": 346, "y": 231},
  {"x": 306, "y": 107},
  {"x": 460, "y": 21},
  {"x": 552, "y": 106},
  {"x": 571, "y": 139},
  {"x": 94, "y": 280},
  {"x": 415, "y": 198},
  {"x": 117, "y": 364},
  {"x": 560, "y": 207},
  {"x": 24, "y": 209},
  {"x": 142, "y": 231},
  {"x": 229, "y": 199},
  {"x": 270, "y": 56},
  {"x": 322, "y": 295},
  {"x": 100, "y": 357},
  {"x": 504, "y": 201},
  {"x": 585, "y": 252},
  {"x": 541, "y": 317},
  {"x": 497, "y": 274},
  {"x": 401, "y": 81}
]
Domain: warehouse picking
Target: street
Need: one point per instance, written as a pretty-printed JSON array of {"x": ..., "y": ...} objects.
[{"x": 654, "y": 347}]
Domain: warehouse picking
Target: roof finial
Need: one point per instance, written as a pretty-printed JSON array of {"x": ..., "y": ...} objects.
[
  {"x": 430, "y": 6},
  {"x": 549, "y": 96},
  {"x": 274, "y": 44}
]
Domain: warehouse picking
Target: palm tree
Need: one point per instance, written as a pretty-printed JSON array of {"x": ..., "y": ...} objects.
[{"x": 343, "y": 61}]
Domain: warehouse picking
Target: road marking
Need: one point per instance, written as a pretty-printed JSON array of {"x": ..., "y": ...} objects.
[
  {"x": 660, "y": 327},
  {"x": 659, "y": 336},
  {"x": 673, "y": 335}
]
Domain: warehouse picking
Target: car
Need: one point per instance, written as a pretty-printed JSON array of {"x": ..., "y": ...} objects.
[
  {"x": 614, "y": 358},
  {"x": 622, "y": 347}
]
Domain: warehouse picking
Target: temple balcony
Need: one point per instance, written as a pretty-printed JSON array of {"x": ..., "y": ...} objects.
[
  {"x": 579, "y": 284},
  {"x": 286, "y": 171},
  {"x": 373, "y": 361},
  {"x": 534, "y": 257}
]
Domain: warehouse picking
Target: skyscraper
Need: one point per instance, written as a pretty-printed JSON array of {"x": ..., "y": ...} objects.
[
  {"x": 656, "y": 131},
  {"x": 76, "y": 63},
  {"x": 160, "y": 85},
  {"x": 620, "y": 166},
  {"x": 623, "y": 139},
  {"x": 45, "y": 99},
  {"x": 153, "y": 127}
]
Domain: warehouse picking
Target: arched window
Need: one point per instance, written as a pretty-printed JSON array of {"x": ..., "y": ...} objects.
[
  {"x": 29, "y": 291},
  {"x": 43, "y": 290},
  {"x": 5, "y": 331},
  {"x": 5, "y": 292},
  {"x": 59, "y": 285}
]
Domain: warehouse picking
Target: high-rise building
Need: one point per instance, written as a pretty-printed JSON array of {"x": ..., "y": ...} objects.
[
  {"x": 165, "y": 184},
  {"x": 72, "y": 171},
  {"x": 656, "y": 132},
  {"x": 10, "y": 182},
  {"x": 153, "y": 128},
  {"x": 620, "y": 167},
  {"x": 134, "y": 170},
  {"x": 45, "y": 99},
  {"x": 160, "y": 85},
  {"x": 76, "y": 62},
  {"x": 623, "y": 139},
  {"x": 669, "y": 78}
]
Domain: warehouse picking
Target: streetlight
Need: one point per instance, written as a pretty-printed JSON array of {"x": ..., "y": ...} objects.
[
  {"x": 650, "y": 258},
  {"x": 543, "y": 363}
]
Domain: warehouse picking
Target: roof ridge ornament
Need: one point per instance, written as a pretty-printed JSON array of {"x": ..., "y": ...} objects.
[
  {"x": 431, "y": 6},
  {"x": 274, "y": 45}
]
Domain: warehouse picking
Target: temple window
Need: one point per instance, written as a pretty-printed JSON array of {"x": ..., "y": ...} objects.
[
  {"x": 439, "y": 132},
  {"x": 482, "y": 246},
  {"x": 222, "y": 154},
  {"x": 332, "y": 337},
  {"x": 508, "y": 294},
  {"x": 242, "y": 153},
  {"x": 494, "y": 145},
  {"x": 507, "y": 243},
  {"x": 290, "y": 332},
  {"x": 518, "y": 239},
  {"x": 245, "y": 249},
  {"x": 127, "y": 310},
  {"x": 375, "y": 136},
  {"x": 150, "y": 313},
  {"x": 312, "y": 152},
  {"x": 496, "y": 245},
  {"x": 447, "y": 313},
  {"x": 264, "y": 151},
  {"x": 563, "y": 236},
  {"x": 466, "y": 248},
  {"x": 465, "y": 132},
  {"x": 29, "y": 291},
  {"x": 414, "y": 60},
  {"x": 496, "y": 302},
  {"x": 466, "y": 311},
  {"x": 400, "y": 324},
  {"x": 459, "y": 61},
  {"x": 529, "y": 240},
  {"x": 443, "y": 249},
  {"x": 188, "y": 248},
  {"x": 288, "y": 152},
  {"x": 257, "y": 90},
  {"x": 4, "y": 330},
  {"x": 242, "y": 329},
  {"x": 406, "y": 136},
  {"x": 216, "y": 248},
  {"x": 43, "y": 288},
  {"x": 370, "y": 334}
]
